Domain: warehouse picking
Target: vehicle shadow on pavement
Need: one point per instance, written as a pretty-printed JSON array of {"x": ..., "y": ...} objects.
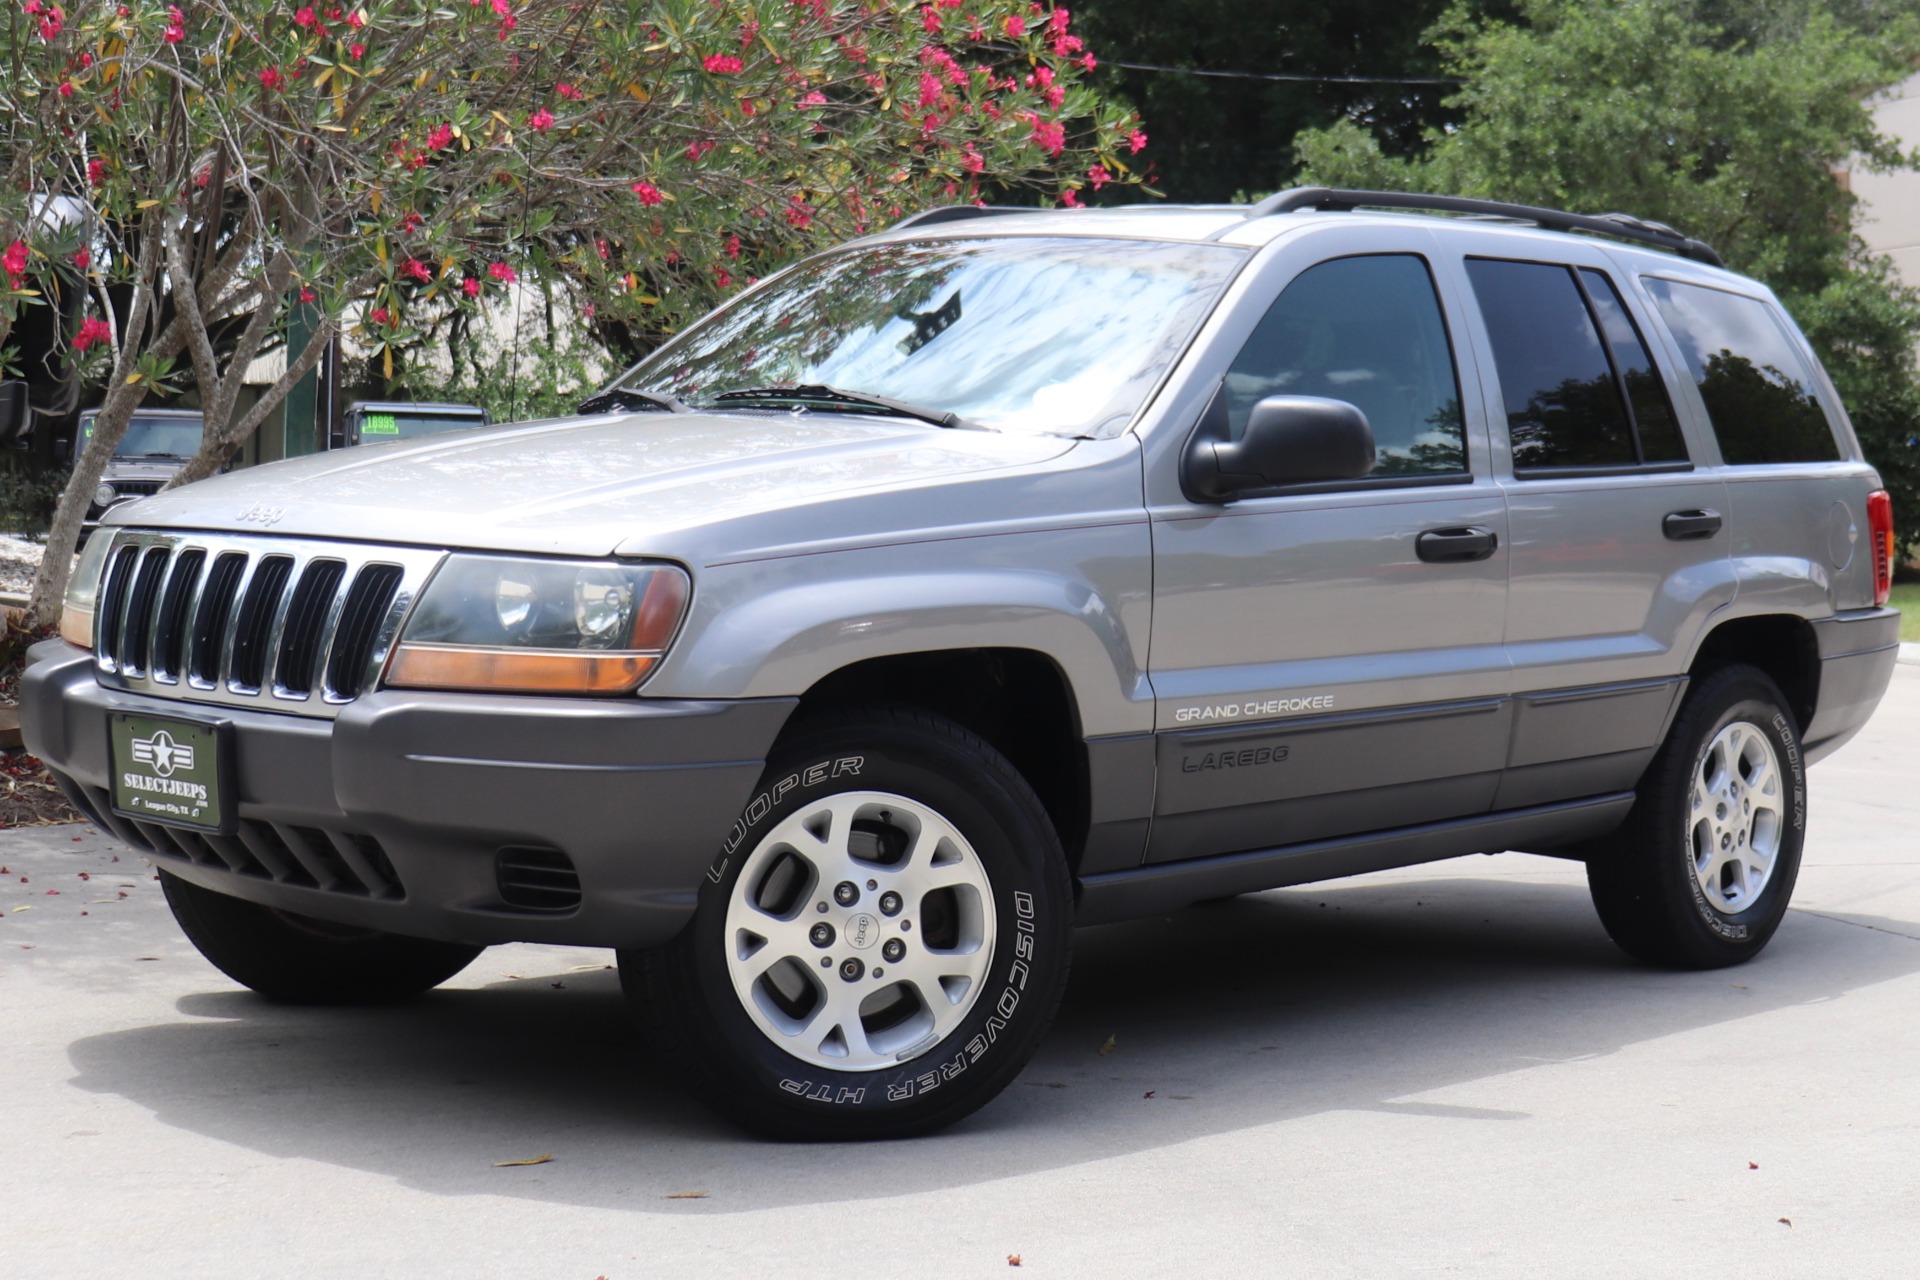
[{"x": 1216, "y": 1019}]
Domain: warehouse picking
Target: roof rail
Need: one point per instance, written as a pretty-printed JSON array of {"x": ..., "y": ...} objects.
[
  {"x": 1624, "y": 226},
  {"x": 954, "y": 213}
]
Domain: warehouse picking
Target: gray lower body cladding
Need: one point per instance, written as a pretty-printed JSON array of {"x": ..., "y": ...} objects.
[{"x": 463, "y": 817}]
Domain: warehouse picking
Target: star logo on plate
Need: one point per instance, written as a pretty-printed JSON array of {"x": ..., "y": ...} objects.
[{"x": 162, "y": 753}]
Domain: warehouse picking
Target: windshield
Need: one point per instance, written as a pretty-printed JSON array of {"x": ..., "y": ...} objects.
[
  {"x": 1037, "y": 335},
  {"x": 393, "y": 425},
  {"x": 147, "y": 436}
]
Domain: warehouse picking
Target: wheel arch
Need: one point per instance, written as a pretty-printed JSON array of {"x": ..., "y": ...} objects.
[
  {"x": 1020, "y": 701},
  {"x": 1782, "y": 645}
]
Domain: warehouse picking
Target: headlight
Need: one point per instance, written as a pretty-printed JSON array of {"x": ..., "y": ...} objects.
[
  {"x": 540, "y": 626},
  {"x": 83, "y": 589},
  {"x": 104, "y": 494}
]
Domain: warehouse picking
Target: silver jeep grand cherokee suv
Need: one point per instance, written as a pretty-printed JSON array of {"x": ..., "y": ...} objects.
[{"x": 997, "y": 573}]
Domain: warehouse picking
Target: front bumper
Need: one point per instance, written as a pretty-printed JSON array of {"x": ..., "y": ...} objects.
[{"x": 402, "y": 813}]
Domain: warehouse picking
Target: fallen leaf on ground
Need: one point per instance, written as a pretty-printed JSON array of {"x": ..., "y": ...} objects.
[
  {"x": 1107, "y": 1047},
  {"x": 685, "y": 1195},
  {"x": 513, "y": 1164},
  {"x": 146, "y": 957},
  {"x": 1788, "y": 1221},
  {"x": 1013, "y": 1259},
  {"x": 1147, "y": 1094},
  {"x": 20, "y": 909},
  {"x": 1752, "y": 1165},
  {"x": 97, "y": 901}
]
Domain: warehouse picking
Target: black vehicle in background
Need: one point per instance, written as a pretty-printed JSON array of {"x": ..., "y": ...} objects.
[{"x": 371, "y": 421}]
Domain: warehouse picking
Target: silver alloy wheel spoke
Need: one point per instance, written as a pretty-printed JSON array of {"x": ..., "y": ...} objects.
[
  {"x": 1736, "y": 811},
  {"x": 844, "y": 1004}
]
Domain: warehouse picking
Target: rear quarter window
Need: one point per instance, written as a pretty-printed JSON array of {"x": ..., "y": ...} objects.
[{"x": 1756, "y": 384}]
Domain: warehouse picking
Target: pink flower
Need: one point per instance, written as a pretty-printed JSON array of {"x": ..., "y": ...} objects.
[
  {"x": 176, "y": 26},
  {"x": 440, "y": 138},
  {"x": 566, "y": 90},
  {"x": 415, "y": 269},
  {"x": 1055, "y": 95},
  {"x": 271, "y": 79},
  {"x": 1099, "y": 176},
  {"x": 53, "y": 23},
  {"x": 1057, "y": 21},
  {"x": 814, "y": 99},
  {"x": 799, "y": 215},
  {"x": 502, "y": 8},
  {"x": 648, "y": 193},
  {"x": 1016, "y": 27},
  {"x": 749, "y": 32},
  {"x": 930, "y": 19},
  {"x": 307, "y": 295},
  {"x": 1049, "y": 136},
  {"x": 34, "y": 8},
  {"x": 82, "y": 257},
  {"x": 723, "y": 278},
  {"x": 503, "y": 273},
  {"x": 929, "y": 88},
  {"x": 66, "y": 88},
  {"x": 14, "y": 262},
  {"x": 1135, "y": 141},
  {"x": 699, "y": 148},
  {"x": 355, "y": 20},
  {"x": 470, "y": 286},
  {"x": 92, "y": 330},
  {"x": 381, "y": 316},
  {"x": 1089, "y": 62},
  {"x": 722, "y": 63},
  {"x": 1070, "y": 198},
  {"x": 732, "y": 246},
  {"x": 970, "y": 160},
  {"x": 410, "y": 223},
  {"x": 96, "y": 172},
  {"x": 356, "y": 51},
  {"x": 541, "y": 120},
  {"x": 304, "y": 17}
]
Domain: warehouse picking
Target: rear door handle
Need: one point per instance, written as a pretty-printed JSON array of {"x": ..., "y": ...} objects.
[
  {"x": 1690, "y": 526},
  {"x": 1451, "y": 546}
]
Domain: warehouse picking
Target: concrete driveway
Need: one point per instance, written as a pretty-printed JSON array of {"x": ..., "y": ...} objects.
[{"x": 1445, "y": 1070}]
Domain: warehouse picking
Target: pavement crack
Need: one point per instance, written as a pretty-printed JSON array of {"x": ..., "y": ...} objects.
[{"x": 1858, "y": 924}]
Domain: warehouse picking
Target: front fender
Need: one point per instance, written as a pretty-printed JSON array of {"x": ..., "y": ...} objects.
[{"x": 1080, "y": 596}]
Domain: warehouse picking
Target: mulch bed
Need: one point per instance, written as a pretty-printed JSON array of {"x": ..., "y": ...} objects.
[{"x": 28, "y": 796}]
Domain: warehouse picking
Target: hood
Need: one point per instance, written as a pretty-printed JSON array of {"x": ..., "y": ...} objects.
[{"x": 583, "y": 486}]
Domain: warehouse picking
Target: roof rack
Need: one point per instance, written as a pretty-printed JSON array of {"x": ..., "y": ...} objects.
[
  {"x": 954, "y": 213},
  {"x": 1621, "y": 225}
]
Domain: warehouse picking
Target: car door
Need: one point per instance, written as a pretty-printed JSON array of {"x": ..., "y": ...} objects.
[
  {"x": 1326, "y": 658},
  {"x": 1618, "y": 545}
]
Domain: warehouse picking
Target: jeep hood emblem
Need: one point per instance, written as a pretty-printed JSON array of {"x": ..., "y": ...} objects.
[{"x": 261, "y": 513}]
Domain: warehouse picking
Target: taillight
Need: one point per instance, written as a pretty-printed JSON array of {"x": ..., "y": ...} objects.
[{"x": 1880, "y": 524}]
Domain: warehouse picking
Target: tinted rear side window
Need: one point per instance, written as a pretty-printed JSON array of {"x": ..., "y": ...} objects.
[
  {"x": 1563, "y": 407},
  {"x": 1757, "y": 388},
  {"x": 1366, "y": 330},
  {"x": 1646, "y": 391}
]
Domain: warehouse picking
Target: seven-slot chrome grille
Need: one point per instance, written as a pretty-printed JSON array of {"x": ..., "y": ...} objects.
[{"x": 276, "y": 624}]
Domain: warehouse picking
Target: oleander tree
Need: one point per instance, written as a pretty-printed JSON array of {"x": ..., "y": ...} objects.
[{"x": 262, "y": 176}]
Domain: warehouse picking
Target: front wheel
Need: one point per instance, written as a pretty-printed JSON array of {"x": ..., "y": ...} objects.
[
  {"x": 295, "y": 959},
  {"x": 1700, "y": 874},
  {"x": 881, "y": 944}
]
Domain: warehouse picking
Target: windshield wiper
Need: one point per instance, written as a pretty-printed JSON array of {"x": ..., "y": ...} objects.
[
  {"x": 615, "y": 398},
  {"x": 177, "y": 457},
  {"x": 812, "y": 393}
]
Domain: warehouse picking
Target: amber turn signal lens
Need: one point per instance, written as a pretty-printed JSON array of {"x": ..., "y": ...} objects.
[
  {"x": 453, "y": 666},
  {"x": 76, "y": 626}
]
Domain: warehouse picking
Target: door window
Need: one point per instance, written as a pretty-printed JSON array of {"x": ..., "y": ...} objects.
[
  {"x": 1646, "y": 391},
  {"x": 1366, "y": 330},
  {"x": 1564, "y": 400},
  {"x": 1758, "y": 390}
]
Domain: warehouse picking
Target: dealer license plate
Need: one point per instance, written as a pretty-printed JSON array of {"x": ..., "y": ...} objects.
[{"x": 167, "y": 771}]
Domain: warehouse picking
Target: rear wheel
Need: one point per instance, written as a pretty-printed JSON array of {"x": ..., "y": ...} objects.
[
  {"x": 1701, "y": 873},
  {"x": 299, "y": 960},
  {"x": 882, "y": 945}
]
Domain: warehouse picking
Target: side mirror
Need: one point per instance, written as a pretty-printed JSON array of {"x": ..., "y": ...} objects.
[{"x": 1289, "y": 440}]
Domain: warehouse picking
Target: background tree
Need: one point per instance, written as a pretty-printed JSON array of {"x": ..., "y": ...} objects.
[
  {"x": 1726, "y": 120},
  {"x": 253, "y": 165}
]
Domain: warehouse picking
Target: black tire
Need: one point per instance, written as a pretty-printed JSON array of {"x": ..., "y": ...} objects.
[
  {"x": 1642, "y": 877},
  {"x": 297, "y": 960},
  {"x": 694, "y": 1017}
]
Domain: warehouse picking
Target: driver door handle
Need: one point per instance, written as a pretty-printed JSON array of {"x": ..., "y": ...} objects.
[
  {"x": 1690, "y": 526},
  {"x": 1456, "y": 545}
]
